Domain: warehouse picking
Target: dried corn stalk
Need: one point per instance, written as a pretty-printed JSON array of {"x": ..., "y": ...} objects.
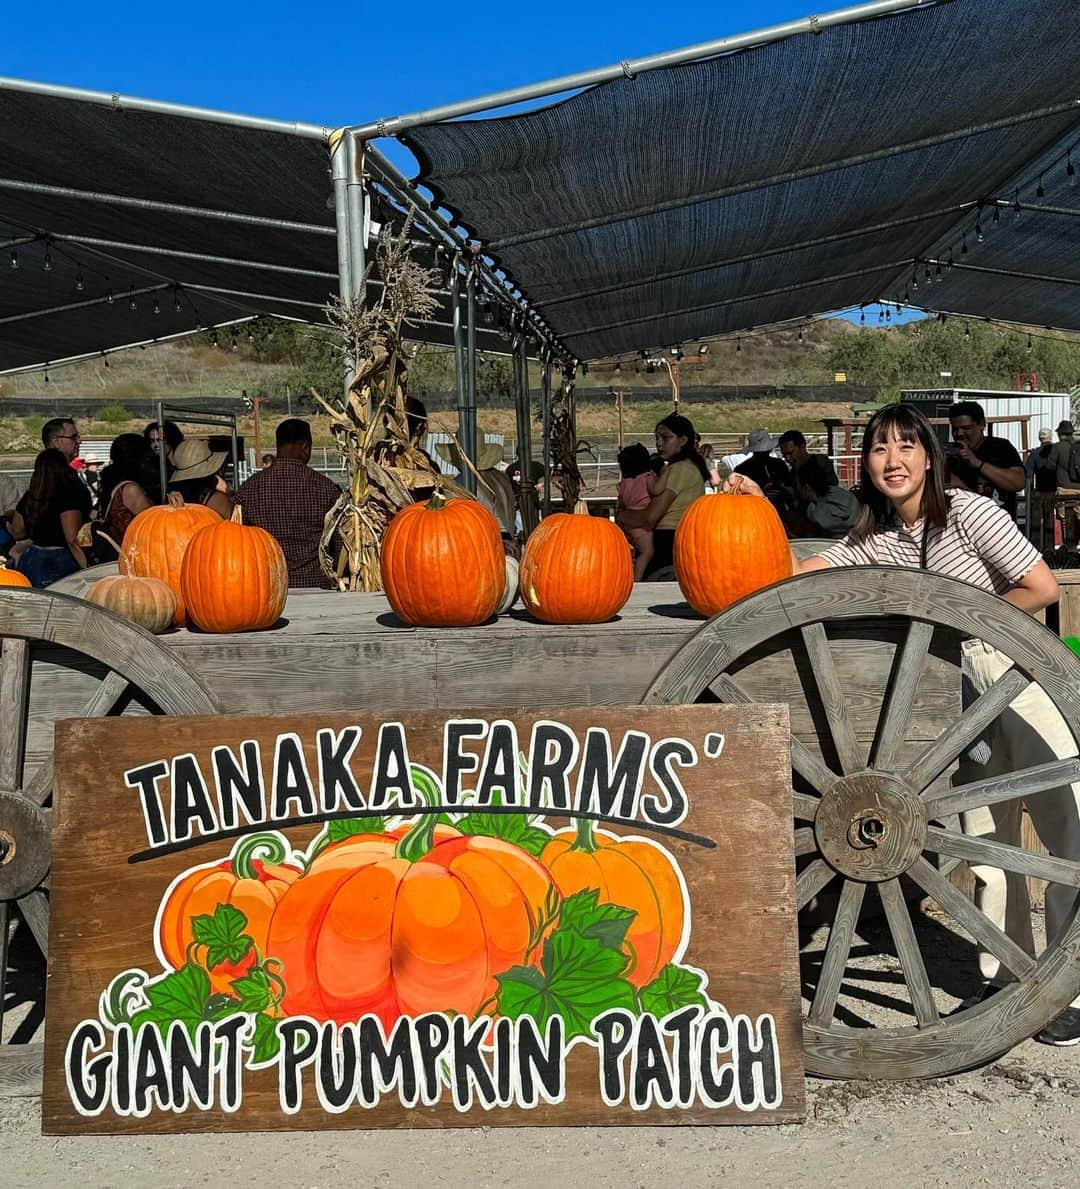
[
  {"x": 369, "y": 426},
  {"x": 565, "y": 448}
]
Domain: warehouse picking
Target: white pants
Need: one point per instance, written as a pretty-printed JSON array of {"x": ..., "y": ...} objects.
[{"x": 1029, "y": 732}]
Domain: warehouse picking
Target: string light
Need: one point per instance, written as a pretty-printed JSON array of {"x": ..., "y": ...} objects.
[
  {"x": 1029, "y": 344},
  {"x": 738, "y": 344},
  {"x": 967, "y": 334},
  {"x": 800, "y": 336},
  {"x": 234, "y": 346},
  {"x": 888, "y": 314},
  {"x": 996, "y": 216},
  {"x": 46, "y": 375},
  {"x": 939, "y": 276},
  {"x": 156, "y": 309},
  {"x": 979, "y": 237},
  {"x": 1016, "y": 208},
  {"x": 109, "y": 296},
  {"x": 80, "y": 284},
  {"x": 862, "y": 316},
  {"x": 1040, "y": 191},
  {"x": 176, "y": 301},
  {"x": 132, "y": 304},
  {"x": 927, "y": 277},
  {"x": 1070, "y": 170},
  {"x": 104, "y": 358},
  {"x": 963, "y": 244},
  {"x": 14, "y": 258},
  {"x": 47, "y": 265}
]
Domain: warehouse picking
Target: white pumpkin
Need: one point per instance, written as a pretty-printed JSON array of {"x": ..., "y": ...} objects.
[{"x": 510, "y": 594}]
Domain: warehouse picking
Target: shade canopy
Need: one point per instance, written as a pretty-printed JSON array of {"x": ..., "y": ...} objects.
[
  {"x": 187, "y": 221},
  {"x": 808, "y": 174}
]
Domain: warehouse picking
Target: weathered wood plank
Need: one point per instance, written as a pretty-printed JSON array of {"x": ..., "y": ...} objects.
[
  {"x": 14, "y": 697},
  {"x": 903, "y": 690},
  {"x": 1001, "y": 855},
  {"x": 907, "y": 950},
  {"x": 831, "y": 692},
  {"x": 837, "y": 949}
]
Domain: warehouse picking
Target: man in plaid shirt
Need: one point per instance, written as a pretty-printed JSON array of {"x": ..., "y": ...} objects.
[{"x": 290, "y": 501}]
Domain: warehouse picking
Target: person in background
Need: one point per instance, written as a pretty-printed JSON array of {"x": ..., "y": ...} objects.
[
  {"x": 708, "y": 456},
  {"x": 129, "y": 484},
  {"x": 195, "y": 475},
  {"x": 676, "y": 443},
  {"x": 830, "y": 510},
  {"x": 62, "y": 434},
  {"x": 639, "y": 485},
  {"x": 770, "y": 474},
  {"x": 980, "y": 462},
  {"x": 267, "y": 460},
  {"x": 290, "y": 500},
  {"x": 1040, "y": 467},
  {"x": 49, "y": 516},
  {"x": 170, "y": 434},
  {"x": 793, "y": 449},
  {"x": 1065, "y": 455}
]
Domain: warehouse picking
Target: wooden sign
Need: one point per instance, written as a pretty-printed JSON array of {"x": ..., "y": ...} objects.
[{"x": 351, "y": 920}]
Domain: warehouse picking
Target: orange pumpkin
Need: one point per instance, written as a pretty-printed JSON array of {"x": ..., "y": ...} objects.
[
  {"x": 249, "y": 883},
  {"x": 726, "y": 547},
  {"x": 147, "y": 602},
  {"x": 156, "y": 540},
  {"x": 405, "y": 923},
  {"x": 632, "y": 873},
  {"x": 12, "y": 577},
  {"x": 442, "y": 563},
  {"x": 576, "y": 569},
  {"x": 234, "y": 578}
]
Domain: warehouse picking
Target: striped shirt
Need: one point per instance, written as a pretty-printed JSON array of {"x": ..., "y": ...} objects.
[{"x": 979, "y": 544}]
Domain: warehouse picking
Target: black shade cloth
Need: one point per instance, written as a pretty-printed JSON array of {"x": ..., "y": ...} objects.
[{"x": 651, "y": 211}]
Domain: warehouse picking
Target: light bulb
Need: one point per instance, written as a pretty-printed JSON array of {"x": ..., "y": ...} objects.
[
  {"x": 155, "y": 307},
  {"x": 109, "y": 296},
  {"x": 132, "y": 304},
  {"x": 14, "y": 258},
  {"x": 80, "y": 284},
  {"x": 48, "y": 261}
]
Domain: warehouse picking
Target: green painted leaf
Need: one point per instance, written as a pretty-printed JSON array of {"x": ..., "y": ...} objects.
[
  {"x": 608, "y": 923},
  {"x": 264, "y": 1040},
  {"x": 509, "y": 827},
  {"x": 182, "y": 995},
  {"x": 674, "y": 988},
  {"x": 218, "y": 1007},
  {"x": 222, "y": 934},
  {"x": 579, "y": 980},
  {"x": 254, "y": 991},
  {"x": 349, "y": 827}
]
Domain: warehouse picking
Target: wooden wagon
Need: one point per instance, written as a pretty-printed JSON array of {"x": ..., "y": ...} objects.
[{"x": 868, "y": 661}]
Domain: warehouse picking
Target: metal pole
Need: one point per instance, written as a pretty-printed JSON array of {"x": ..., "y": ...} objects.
[
  {"x": 158, "y": 107},
  {"x": 545, "y": 413},
  {"x": 526, "y": 487},
  {"x": 340, "y": 175},
  {"x": 163, "y": 470},
  {"x": 467, "y": 422},
  {"x": 459, "y": 347},
  {"x": 627, "y": 69},
  {"x": 357, "y": 223}
]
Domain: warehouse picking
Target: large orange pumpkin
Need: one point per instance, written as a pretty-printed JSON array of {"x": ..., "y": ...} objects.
[
  {"x": 632, "y": 873},
  {"x": 148, "y": 602},
  {"x": 576, "y": 569},
  {"x": 12, "y": 577},
  {"x": 405, "y": 923},
  {"x": 442, "y": 563},
  {"x": 234, "y": 578},
  {"x": 726, "y": 547},
  {"x": 250, "y": 883},
  {"x": 156, "y": 540}
]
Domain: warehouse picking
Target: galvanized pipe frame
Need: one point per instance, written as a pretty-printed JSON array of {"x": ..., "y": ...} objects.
[{"x": 467, "y": 418}]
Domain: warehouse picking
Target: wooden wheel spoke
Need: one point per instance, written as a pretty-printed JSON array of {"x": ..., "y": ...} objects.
[
  {"x": 895, "y": 718},
  {"x": 907, "y": 949},
  {"x": 831, "y": 691},
  {"x": 1007, "y": 787},
  {"x": 979, "y": 926},
  {"x": 35, "y": 911},
  {"x": 810, "y": 881},
  {"x": 837, "y": 950},
  {"x": 805, "y": 842},
  {"x": 808, "y": 766},
  {"x": 1001, "y": 854},
  {"x": 14, "y": 699},
  {"x": 805, "y": 807},
  {"x": 968, "y": 727}
]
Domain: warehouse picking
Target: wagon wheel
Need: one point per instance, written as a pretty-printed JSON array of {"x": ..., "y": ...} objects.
[
  {"x": 869, "y": 809},
  {"x": 132, "y": 670}
]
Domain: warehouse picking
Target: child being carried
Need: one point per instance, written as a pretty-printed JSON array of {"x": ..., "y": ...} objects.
[{"x": 642, "y": 479}]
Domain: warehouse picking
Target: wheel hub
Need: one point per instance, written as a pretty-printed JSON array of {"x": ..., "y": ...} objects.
[
  {"x": 25, "y": 846},
  {"x": 870, "y": 826}
]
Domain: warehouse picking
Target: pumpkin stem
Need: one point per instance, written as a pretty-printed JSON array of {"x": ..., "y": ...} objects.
[
  {"x": 586, "y": 838},
  {"x": 421, "y": 838},
  {"x": 272, "y": 848},
  {"x": 175, "y": 499},
  {"x": 437, "y": 501}
]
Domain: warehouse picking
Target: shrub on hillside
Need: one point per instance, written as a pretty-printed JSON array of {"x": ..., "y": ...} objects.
[{"x": 113, "y": 415}]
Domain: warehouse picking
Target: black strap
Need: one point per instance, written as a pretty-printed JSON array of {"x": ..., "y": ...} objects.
[{"x": 925, "y": 543}]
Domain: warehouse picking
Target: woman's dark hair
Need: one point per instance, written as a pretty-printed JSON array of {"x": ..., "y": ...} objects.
[
  {"x": 634, "y": 460},
  {"x": 171, "y": 433},
  {"x": 51, "y": 472},
  {"x": 909, "y": 425},
  {"x": 683, "y": 427},
  {"x": 131, "y": 460}
]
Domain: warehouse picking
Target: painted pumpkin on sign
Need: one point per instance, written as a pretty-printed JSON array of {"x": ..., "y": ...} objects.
[
  {"x": 234, "y": 578},
  {"x": 253, "y": 881},
  {"x": 405, "y": 923},
  {"x": 632, "y": 873},
  {"x": 576, "y": 569},
  {"x": 157, "y": 539},
  {"x": 442, "y": 563},
  {"x": 726, "y": 547}
]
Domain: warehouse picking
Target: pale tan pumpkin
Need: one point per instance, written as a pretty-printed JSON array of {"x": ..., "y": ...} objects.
[{"x": 148, "y": 602}]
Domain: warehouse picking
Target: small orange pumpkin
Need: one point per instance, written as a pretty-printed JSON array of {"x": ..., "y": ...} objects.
[
  {"x": 248, "y": 882},
  {"x": 726, "y": 547},
  {"x": 234, "y": 578},
  {"x": 632, "y": 873},
  {"x": 405, "y": 923},
  {"x": 442, "y": 563},
  {"x": 148, "y": 602},
  {"x": 576, "y": 569},
  {"x": 12, "y": 577},
  {"x": 156, "y": 540}
]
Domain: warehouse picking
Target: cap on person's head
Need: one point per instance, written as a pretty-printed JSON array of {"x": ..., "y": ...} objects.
[
  {"x": 193, "y": 459},
  {"x": 1065, "y": 427},
  {"x": 759, "y": 442}
]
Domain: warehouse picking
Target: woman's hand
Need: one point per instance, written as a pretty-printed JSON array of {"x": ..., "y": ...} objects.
[{"x": 736, "y": 484}]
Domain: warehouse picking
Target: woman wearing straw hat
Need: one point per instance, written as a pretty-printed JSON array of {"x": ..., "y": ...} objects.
[
  {"x": 494, "y": 488},
  {"x": 195, "y": 475}
]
